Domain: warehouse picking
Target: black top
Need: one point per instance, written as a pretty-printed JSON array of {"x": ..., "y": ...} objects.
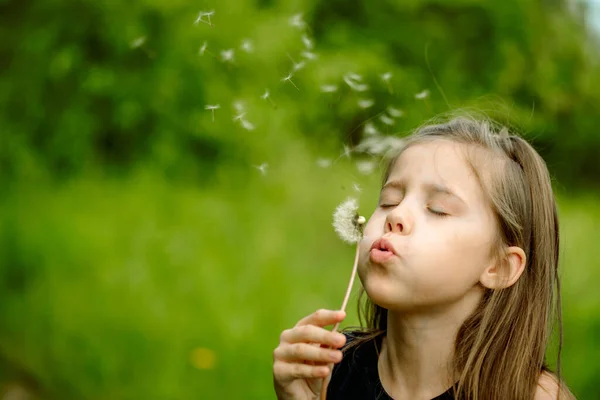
[{"x": 356, "y": 377}]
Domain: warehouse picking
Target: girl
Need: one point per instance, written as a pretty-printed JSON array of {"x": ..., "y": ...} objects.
[{"x": 459, "y": 263}]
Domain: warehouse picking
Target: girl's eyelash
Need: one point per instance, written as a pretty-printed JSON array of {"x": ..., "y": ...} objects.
[{"x": 438, "y": 213}]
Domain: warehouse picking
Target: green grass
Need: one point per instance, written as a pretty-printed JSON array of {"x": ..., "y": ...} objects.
[{"x": 108, "y": 285}]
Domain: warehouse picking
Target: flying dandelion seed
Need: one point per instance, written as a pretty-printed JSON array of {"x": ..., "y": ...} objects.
[
  {"x": 365, "y": 167},
  {"x": 239, "y": 117},
  {"x": 139, "y": 42},
  {"x": 227, "y": 55},
  {"x": 238, "y": 106},
  {"x": 355, "y": 82},
  {"x": 308, "y": 55},
  {"x": 203, "y": 48},
  {"x": 356, "y": 187},
  {"x": 394, "y": 112},
  {"x": 247, "y": 46},
  {"x": 267, "y": 96},
  {"x": 249, "y": 126},
  {"x": 298, "y": 66},
  {"x": 365, "y": 103},
  {"x": 307, "y": 42},
  {"x": 289, "y": 78},
  {"x": 386, "y": 77},
  {"x": 370, "y": 129},
  {"x": 346, "y": 152},
  {"x": 422, "y": 95},
  {"x": 297, "y": 21},
  {"x": 262, "y": 168},
  {"x": 212, "y": 108},
  {"x": 201, "y": 16},
  {"x": 324, "y": 162},
  {"x": 386, "y": 120},
  {"x": 379, "y": 145},
  {"x": 329, "y": 88}
]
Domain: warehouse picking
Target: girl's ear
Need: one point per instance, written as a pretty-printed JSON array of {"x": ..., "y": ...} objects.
[{"x": 507, "y": 271}]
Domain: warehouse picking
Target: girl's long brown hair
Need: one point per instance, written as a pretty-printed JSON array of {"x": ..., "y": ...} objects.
[{"x": 500, "y": 349}]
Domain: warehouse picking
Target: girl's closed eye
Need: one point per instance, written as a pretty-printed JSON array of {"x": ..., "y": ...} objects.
[{"x": 437, "y": 212}]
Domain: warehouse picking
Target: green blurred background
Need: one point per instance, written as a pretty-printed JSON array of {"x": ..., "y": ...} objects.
[{"x": 151, "y": 248}]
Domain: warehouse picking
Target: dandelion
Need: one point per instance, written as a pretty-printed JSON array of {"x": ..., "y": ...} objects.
[
  {"x": 201, "y": 16},
  {"x": 349, "y": 226},
  {"x": 247, "y": 46},
  {"x": 267, "y": 96},
  {"x": 262, "y": 168},
  {"x": 212, "y": 108},
  {"x": 370, "y": 129},
  {"x": 139, "y": 42},
  {"x": 289, "y": 78},
  {"x": 422, "y": 95},
  {"x": 309, "y": 55},
  {"x": 227, "y": 55},
  {"x": 329, "y": 88},
  {"x": 297, "y": 21},
  {"x": 203, "y": 48},
  {"x": 365, "y": 103},
  {"x": 365, "y": 167},
  {"x": 249, "y": 126},
  {"x": 386, "y": 120},
  {"x": 323, "y": 162},
  {"x": 394, "y": 112},
  {"x": 307, "y": 42}
]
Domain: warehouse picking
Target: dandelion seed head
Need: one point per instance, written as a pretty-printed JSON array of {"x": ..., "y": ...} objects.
[
  {"x": 346, "y": 221},
  {"x": 422, "y": 95}
]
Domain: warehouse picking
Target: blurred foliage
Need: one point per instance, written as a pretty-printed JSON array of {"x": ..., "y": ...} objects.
[{"x": 147, "y": 251}]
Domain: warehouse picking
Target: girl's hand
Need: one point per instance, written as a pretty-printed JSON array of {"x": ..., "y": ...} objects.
[{"x": 300, "y": 362}]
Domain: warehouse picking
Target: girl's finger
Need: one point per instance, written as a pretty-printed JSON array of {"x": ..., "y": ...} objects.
[
  {"x": 284, "y": 371},
  {"x": 313, "y": 334},
  {"x": 305, "y": 352},
  {"x": 323, "y": 317}
]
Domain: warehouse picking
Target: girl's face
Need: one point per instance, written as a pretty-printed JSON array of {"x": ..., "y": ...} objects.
[{"x": 433, "y": 214}]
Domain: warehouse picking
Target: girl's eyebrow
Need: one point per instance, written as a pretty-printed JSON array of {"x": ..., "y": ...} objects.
[{"x": 430, "y": 188}]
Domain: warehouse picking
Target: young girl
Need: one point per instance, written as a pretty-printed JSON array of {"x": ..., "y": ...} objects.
[{"x": 459, "y": 262}]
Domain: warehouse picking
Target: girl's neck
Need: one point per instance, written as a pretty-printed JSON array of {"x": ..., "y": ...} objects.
[{"x": 416, "y": 355}]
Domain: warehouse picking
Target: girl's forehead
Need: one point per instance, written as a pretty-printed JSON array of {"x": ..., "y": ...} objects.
[{"x": 444, "y": 162}]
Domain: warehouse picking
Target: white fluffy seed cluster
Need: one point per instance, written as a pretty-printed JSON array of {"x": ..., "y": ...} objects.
[{"x": 347, "y": 223}]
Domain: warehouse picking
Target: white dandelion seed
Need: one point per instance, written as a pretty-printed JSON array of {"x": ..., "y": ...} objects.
[
  {"x": 289, "y": 78},
  {"x": 202, "y": 15},
  {"x": 370, "y": 129},
  {"x": 356, "y": 187},
  {"x": 239, "y": 116},
  {"x": 227, "y": 55},
  {"x": 309, "y": 55},
  {"x": 266, "y": 95},
  {"x": 212, "y": 108},
  {"x": 346, "y": 152},
  {"x": 346, "y": 221},
  {"x": 203, "y": 48},
  {"x": 297, "y": 21},
  {"x": 365, "y": 103},
  {"x": 247, "y": 46},
  {"x": 329, "y": 88},
  {"x": 386, "y": 120},
  {"x": 139, "y": 42},
  {"x": 386, "y": 77},
  {"x": 422, "y": 95},
  {"x": 394, "y": 112},
  {"x": 239, "y": 106},
  {"x": 298, "y": 66},
  {"x": 365, "y": 167},
  {"x": 379, "y": 145},
  {"x": 249, "y": 126},
  {"x": 307, "y": 42},
  {"x": 323, "y": 162},
  {"x": 262, "y": 168}
]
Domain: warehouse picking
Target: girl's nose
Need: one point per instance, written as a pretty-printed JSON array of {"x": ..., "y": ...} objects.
[{"x": 398, "y": 221}]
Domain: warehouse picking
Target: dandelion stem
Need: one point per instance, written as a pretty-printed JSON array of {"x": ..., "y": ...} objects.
[{"x": 335, "y": 327}]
